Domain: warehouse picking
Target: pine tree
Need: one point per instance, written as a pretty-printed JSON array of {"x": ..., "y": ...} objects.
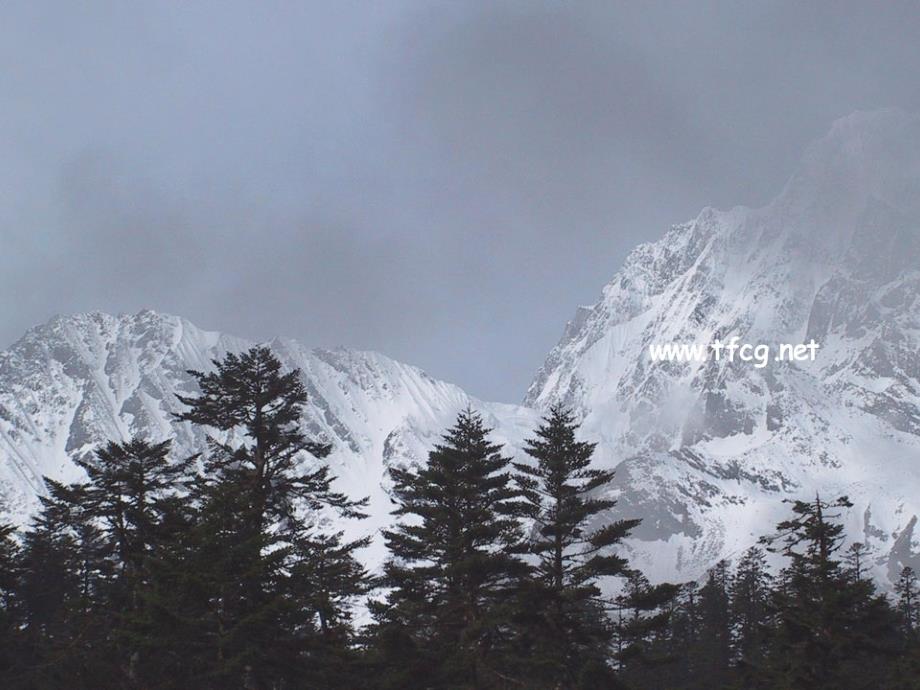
[
  {"x": 454, "y": 565},
  {"x": 855, "y": 559},
  {"x": 645, "y": 653},
  {"x": 751, "y": 614},
  {"x": 10, "y": 609},
  {"x": 172, "y": 625},
  {"x": 257, "y": 498},
  {"x": 248, "y": 394},
  {"x": 66, "y": 575},
  {"x": 684, "y": 632},
  {"x": 128, "y": 484},
  {"x": 574, "y": 550},
  {"x": 128, "y": 491},
  {"x": 908, "y": 592},
  {"x": 714, "y": 646},
  {"x": 832, "y": 631},
  {"x": 698, "y": 643},
  {"x": 327, "y": 578}
]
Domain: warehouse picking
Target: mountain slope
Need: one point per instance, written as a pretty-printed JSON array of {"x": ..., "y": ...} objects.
[
  {"x": 706, "y": 450},
  {"x": 77, "y": 381}
]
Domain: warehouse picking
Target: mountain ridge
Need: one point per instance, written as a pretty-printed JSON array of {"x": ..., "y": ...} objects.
[
  {"x": 705, "y": 452},
  {"x": 828, "y": 259}
]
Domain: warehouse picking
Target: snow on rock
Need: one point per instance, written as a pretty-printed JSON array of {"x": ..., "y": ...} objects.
[
  {"x": 705, "y": 452},
  {"x": 70, "y": 385}
]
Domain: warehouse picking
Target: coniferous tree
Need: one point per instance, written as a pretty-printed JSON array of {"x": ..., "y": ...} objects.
[
  {"x": 685, "y": 633},
  {"x": 751, "y": 614},
  {"x": 66, "y": 572},
  {"x": 130, "y": 488},
  {"x": 855, "y": 559},
  {"x": 10, "y": 610},
  {"x": 644, "y": 650},
  {"x": 714, "y": 645},
  {"x": 908, "y": 592},
  {"x": 832, "y": 631},
  {"x": 328, "y": 577},
  {"x": 257, "y": 495},
  {"x": 171, "y": 626},
  {"x": 454, "y": 566},
  {"x": 698, "y": 644},
  {"x": 568, "y": 617}
]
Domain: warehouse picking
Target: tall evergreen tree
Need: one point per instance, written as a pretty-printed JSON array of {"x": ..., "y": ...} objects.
[
  {"x": 832, "y": 631},
  {"x": 10, "y": 609},
  {"x": 128, "y": 486},
  {"x": 257, "y": 492},
  {"x": 66, "y": 572},
  {"x": 714, "y": 646},
  {"x": 684, "y": 632},
  {"x": 751, "y": 613},
  {"x": 131, "y": 487},
  {"x": 908, "y": 591},
  {"x": 327, "y": 578},
  {"x": 574, "y": 551},
  {"x": 454, "y": 565},
  {"x": 263, "y": 457},
  {"x": 645, "y": 653},
  {"x": 855, "y": 559}
]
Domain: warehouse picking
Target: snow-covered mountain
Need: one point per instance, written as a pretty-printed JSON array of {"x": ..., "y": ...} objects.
[
  {"x": 77, "y": 381},
  {"x": 705, "y": 451}
]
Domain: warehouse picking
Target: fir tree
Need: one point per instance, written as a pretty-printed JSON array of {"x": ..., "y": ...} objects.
[
  {"x": 248, "y": 394},
  {"x": 714, "y": 645},
  {"x": 855, "y": 559},
  {"x": 574, "y": 550},
  {"x": 644, "y": 649},
  {"x": 327, "y": 579},
  {"x": 66, "y": 574},
  {"x": 128, "y": 492},
  {"x": 128, "y": 485},
  {"x": 10, "y": 610},
  {"x": 172, "y": 625},
  {"x": 454, "y": 565},
  {"x": 908, "y": 593},
  {"x": 832, "y": 631},
  {"x": 751, "y": 595},
  {"x": 684, "y": 633},
  {"x": 257, "y": 496}
]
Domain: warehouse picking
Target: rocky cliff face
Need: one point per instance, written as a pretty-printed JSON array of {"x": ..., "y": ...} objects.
[{"x": 705, "y": 451}]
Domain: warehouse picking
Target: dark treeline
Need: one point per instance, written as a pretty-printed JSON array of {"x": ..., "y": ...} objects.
[{"x": 215, "y": 572}]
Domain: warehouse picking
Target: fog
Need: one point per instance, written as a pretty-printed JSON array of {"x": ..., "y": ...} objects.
[{"x": 441, "y": 182}]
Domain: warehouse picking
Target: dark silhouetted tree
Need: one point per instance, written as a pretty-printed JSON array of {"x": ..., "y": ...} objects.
[
  {"x": 258, "y": 492},
  {"x": 568, "y": 617},
  {"x": 454, "y": 565}
]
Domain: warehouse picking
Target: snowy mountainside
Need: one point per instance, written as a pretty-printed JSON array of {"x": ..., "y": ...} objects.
[
  {"x": 705, "y": 451},
  {"x": 78, "y": 381}
]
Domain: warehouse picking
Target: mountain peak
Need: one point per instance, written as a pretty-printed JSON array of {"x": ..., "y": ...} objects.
[
  {"x": 80, "y": 380},
  {"x": 866, "y": 155},
  {"x": 702, "y": 446}
]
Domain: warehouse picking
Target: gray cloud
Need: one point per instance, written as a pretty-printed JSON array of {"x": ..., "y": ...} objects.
[{"x": 443, "y": 182}]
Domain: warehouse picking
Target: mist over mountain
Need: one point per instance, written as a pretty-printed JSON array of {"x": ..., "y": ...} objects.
[{"x": 704, "y": 451}]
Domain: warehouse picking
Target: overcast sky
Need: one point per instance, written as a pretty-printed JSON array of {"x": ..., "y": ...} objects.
[{"x": 440, "y": 181}]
